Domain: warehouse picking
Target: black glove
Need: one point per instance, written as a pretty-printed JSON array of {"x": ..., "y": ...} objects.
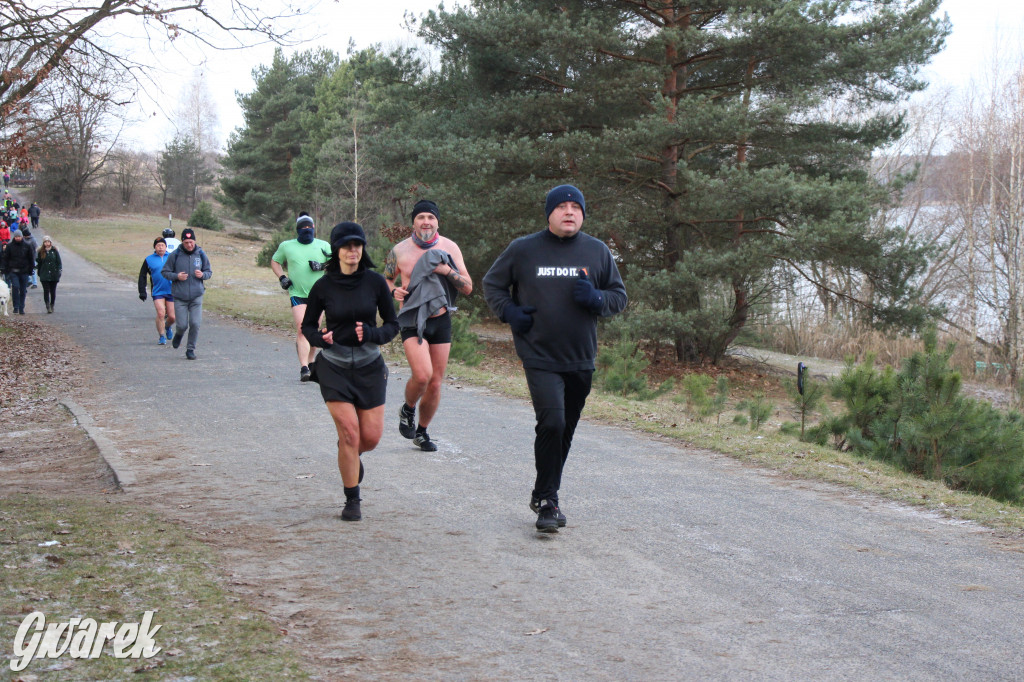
[
  {"x": 285, "y": 282},
  {"x": 520, "y": 319},
  {"x": 585, "y": 295},
  {"x": 142, "y": 295},
  {"x": 316, "y": 266}
]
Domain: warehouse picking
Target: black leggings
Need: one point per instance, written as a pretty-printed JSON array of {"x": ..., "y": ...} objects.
[
  {"x": 558, "y": 400},
  {"x": 49, "y": 292}
]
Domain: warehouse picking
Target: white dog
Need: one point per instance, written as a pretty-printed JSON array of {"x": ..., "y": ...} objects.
[{"x": 5, "y": 293}]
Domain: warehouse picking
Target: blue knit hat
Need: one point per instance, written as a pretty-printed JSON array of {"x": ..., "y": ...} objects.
[{"x": 561, "y": 194}]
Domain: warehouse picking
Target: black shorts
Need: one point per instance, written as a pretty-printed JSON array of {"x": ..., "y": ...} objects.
[
  {"x": 364, "y": 387},
  {"x": 436, "y": 331}
]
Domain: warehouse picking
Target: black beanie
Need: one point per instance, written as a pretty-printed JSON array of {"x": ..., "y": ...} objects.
[
  {"x": 560, "y": 195},
  {"x": 346, "y": 232},
  {"x": 425, "y": 206}
]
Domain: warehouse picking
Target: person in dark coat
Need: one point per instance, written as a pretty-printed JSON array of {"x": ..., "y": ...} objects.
[
  {"x": 49, "y": 267},
  {"x": 18, "y": 262},
  {"x": 33, "y": 214}
]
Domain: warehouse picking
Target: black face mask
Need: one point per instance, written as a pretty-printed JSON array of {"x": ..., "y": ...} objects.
[{"x": 306, "y": 235}]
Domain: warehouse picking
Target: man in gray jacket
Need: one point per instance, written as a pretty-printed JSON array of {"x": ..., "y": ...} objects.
[{"x": 187, "y": 268}]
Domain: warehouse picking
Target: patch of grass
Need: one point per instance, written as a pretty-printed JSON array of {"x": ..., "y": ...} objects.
[
  {"x": 115, "y": 562},
  {"x": 238, "y": 288}
]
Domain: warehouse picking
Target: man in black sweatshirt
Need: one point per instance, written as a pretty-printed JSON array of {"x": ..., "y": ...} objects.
[{"x": 551, "y": 287}]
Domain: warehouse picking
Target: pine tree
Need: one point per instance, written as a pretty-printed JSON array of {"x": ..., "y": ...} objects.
[
  {"x": 699, "y": 132},
  {"x": 182, "y": 170},
  {"x": 260, "y": 154},
  {"x": 335, "y": 175}
]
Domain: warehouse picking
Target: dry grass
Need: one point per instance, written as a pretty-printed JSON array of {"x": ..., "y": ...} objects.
[
  {"x": 239, "y": 288},
  {"x": 838, "y": 342}
]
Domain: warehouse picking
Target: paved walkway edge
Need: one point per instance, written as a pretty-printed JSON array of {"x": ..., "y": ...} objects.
[{"x": 108, "y": 453}]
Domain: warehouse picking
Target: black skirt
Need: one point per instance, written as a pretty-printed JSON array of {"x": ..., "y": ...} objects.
[{"x": 365, "y": 387}]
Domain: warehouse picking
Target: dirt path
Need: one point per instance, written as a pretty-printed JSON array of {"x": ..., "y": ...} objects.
[{"x": 675, "y": 562}]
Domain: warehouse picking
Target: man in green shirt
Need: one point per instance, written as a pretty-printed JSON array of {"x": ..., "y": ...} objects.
[{"x": 298, "y": 263}]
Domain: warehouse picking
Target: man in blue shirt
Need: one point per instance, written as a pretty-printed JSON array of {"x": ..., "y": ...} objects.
[{"x": 162, "y": 299}]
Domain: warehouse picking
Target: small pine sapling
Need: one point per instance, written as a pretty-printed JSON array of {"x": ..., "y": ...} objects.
[
  {"x": 758, "y": 408},
  {"x": 720, "y": 398},
  {"x": 806, "y": 395},
  {"x": 620, "y": 371},
  {"x": 695, "y": 394}
]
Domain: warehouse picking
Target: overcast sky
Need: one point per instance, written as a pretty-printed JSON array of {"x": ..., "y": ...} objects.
[{"x": 969, "y": 50}]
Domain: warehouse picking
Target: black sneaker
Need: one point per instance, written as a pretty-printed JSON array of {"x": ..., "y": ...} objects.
[
  {"x": 190, "y": 355},
  {"x": 176, "y": 340},
  {"x": 407, "y": 421},
  {"x": 547, "y": 519},
  {"x": 304, "y": 373},
  {"x": 559, "y": 516},
  {"x": 351, "y": 511},
  {"x": 422, "y": 440}
]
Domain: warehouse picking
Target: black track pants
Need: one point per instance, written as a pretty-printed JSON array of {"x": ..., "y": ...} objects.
[
  {"x": 49, "y": 292},
  {"x": 558, "y": 399}
]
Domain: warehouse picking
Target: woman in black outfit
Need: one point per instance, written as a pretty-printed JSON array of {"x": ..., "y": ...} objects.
[{"x": 352, "y": 374}]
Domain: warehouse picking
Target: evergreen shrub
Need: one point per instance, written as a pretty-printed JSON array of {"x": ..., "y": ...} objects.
[
  {"x": 918, "y": 420},
  {"x": 758, "y": 408},
  {"x": 466, "y": 346},
  {"x": 700, "y": 401},
  {"x": 806, "y": 403},
  {"x": 620, "y": 371},
  {"x": 265, "y": 255},
  {"x": 203, "y": 216}
]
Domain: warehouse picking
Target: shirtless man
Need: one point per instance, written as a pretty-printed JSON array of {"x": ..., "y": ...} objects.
[{"x": 428, "y": 356}]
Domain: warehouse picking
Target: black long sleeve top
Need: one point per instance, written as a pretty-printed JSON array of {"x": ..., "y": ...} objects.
[{"x": 347, "y": 299}]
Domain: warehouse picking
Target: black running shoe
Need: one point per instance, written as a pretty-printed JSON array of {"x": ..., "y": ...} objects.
[
  {"x": 422, "y": 440},
  {"x": 176, "y": 340},
  {"x": 190, "y": 355},
  {"x": 351, "y": 511},
  {"x": 547, "y": 520},
  {"x": 407, "y": 421},
  {"x": 304, "y": 373},
  {"x": 559, "y": 516}
]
